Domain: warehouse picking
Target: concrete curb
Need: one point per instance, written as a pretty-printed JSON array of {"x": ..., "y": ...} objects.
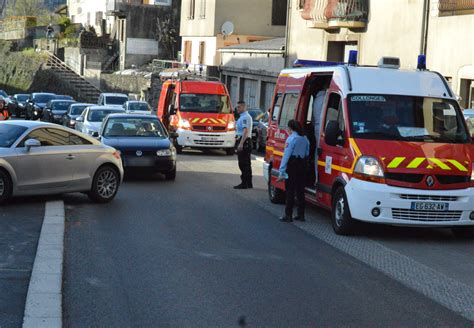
[{"x": 44, "y": 300}]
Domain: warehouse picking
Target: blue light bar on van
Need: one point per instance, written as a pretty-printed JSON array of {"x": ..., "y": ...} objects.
[
  {"x": 352, "y": 57},
  {"x": 314, "y": 63},
  {"x": 421, "y": 63}
]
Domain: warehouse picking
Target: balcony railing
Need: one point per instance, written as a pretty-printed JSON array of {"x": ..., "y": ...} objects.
[
  {"x": 330, "y": 14},
  {"x": 456, "y": 7}
]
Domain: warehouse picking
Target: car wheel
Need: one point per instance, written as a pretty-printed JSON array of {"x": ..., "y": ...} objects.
[
  {"x": 104, "y": 185},
  {"x": 342, "y": 221},
  {"x": 171, "y": 175},
  {"x": 5, "y": 187},
  {"x": 230, "y": 151},
  {"x": 464, "y": 232},
  {"x": 276, "y": 195}
]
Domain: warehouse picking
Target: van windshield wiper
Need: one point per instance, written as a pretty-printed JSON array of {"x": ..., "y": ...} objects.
[{"x": 379, "y": 135}]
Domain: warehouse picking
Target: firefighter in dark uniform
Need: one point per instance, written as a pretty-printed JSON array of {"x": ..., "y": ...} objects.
[
  {"x": 244, "y": 146},
  {"x": 293, "y": 168}
]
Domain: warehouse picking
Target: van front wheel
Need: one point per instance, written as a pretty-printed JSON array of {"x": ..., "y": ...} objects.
[{"x": 342, "y": 221}]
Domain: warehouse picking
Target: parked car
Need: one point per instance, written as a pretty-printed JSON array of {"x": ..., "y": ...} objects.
[
  {"x": 38, "y": 158},
  {"x": 254, "y": 113},
  {"x": 18, "y": 104},
  {"x": 142, "y": 141},
  {"x": 74, "y": 111},
  {"x": 64, "y": 97},
  {"x": 469, "y": 116},
  {"x": 114, "y": 99},
  {"x": 36, "y": 104},
  {"x": 137, "y": 107},
  {"x": 3, "y": 94},
  {"x": 262, "y": 128},
  {"x": 91, "y": 119},
  {"x": 55, "y": 110}
]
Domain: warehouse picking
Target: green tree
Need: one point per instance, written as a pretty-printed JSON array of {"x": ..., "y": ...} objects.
[{"x": 32, "y": 8}]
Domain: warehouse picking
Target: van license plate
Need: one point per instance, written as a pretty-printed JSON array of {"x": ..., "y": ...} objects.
[
  {"x": 208, "y": 138},
  {"x": 424, "y": 206}
]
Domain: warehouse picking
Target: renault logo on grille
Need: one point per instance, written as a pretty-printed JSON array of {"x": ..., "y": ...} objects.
[
  {"x": 430, "y": 181},
  {"x": 209, "y": 128},
  {"x": 139, "y": 153}
]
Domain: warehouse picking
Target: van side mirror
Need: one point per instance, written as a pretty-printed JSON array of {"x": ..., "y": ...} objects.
[
  {"x": 333, "y": 133},
  {"x": 171, "y": 110},
  {"x": 32, "y": 143}
]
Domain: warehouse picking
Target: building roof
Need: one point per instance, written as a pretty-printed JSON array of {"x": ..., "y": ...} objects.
[{"x": 276, "y": 45}]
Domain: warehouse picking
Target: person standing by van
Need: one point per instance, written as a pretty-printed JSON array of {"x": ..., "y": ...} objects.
[
  {"x": 293, "y": 169},
  {"x": 244, "y": 146}
]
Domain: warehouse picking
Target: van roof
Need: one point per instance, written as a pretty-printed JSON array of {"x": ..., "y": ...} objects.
[{"x": 376, "y": 80}]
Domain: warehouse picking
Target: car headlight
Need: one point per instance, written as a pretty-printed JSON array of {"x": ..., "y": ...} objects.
[
  {"x": 164, "y": 152},
  {"x": 231, "y": 126},
  {"x": 369, "y": 169},
  {"x": 184, "y": 124}
]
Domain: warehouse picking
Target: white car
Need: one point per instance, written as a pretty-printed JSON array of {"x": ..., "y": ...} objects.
[
  {"x": 137, "y": 107},
  {"x": 112, "y": 99},
  {"x": 91, "y": 119}
]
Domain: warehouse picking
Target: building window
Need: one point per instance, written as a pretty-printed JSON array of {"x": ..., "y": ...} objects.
[
  {"x": 192, "y": 9},
  {"x": 279, "y": 8},
  {"x": 202, "y": 9},
  {"x": 202, "y": 52},
  {"x": 162, "y": 2},
  {"x": 188, "y": 47}
]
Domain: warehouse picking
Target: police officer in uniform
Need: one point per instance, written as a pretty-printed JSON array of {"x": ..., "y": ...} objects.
[
  {"x": 244, "y": 146},
  {"x": 293, "y": 168}
]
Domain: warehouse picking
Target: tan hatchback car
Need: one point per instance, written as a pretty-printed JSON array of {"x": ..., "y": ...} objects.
[{"x": 38, "y": 158}]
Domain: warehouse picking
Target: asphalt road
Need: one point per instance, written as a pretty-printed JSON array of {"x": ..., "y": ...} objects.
[
  {"x": 20, "y": 226},
  {"x": 196, "y": 253}
]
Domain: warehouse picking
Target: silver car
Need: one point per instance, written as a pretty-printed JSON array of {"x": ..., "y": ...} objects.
[{"x": 38, "y": 158}]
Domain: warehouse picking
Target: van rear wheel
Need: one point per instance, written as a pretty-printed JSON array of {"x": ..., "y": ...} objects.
[{"x": 342, "y": 221}]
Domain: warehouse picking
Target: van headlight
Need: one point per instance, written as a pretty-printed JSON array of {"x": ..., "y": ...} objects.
[
  {"x": 369, "y": 169},
  {"x": 231, "y": 126}
]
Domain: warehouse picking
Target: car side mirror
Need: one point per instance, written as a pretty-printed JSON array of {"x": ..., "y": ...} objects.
[
  {"x": 95, "y": 135},
  {"x": 173, "y": 135},
  {"x": 333, "y": 133},
  {"x": 171, "y": 110},
  {"x": 80, "y": 119},
  {"x": 32, "y": 143}
]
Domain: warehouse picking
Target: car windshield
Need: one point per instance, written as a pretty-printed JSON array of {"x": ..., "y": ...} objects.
[
  {"x": 3, "y": 94},
  {"x": 22, "y": 98},
  {"x": 138, "y": 107},
  {"x": 98, "y": 115},
  {"x": 406, "y": 118},
  {"x": 43, "y": 98},
  {"x": 64, "y": 97},
  {"x": 134, "y": 127},
  {"x": 77, "y": 110},
  {"x": 9, "y": 133},
  {"x": 116, "y": 100},
  {"x": 61, "y": 106},
  {"x": 204, "y": 103}
]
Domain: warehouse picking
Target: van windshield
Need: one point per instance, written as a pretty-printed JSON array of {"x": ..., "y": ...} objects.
[
  {"x": 406, "y": 118},
  {"x": 204, "y": 103}
]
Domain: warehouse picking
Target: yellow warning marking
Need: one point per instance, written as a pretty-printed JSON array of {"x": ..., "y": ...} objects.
[
  {"x": 416, "y": 162},
  {"x": 337, "y": 168},
  {"x": 382, "y": 158},
  {"x": 355, "y": 147},
  {"x": 458, "y": 165},
  {"x": 270, "y": 148},
  {"x": 429, "y": 167},
  {"x": 195, "y": 120},
  {"x": 204, "y": 120},
  {"x": 279, "y": 153},
  {"x": 439, "y": 163},
  {"x": 213, "y": 121},
  {"x": 222, "y": 121},
  {"x": 395, "y": 162}
]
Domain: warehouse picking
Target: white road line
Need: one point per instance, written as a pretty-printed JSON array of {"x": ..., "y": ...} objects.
[{"x": 44, "y": 300}]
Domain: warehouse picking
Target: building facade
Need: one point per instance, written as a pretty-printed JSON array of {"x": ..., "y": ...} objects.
[
  {"x": 208, "y": 25},
  {"x": 441, "y": 29}
]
